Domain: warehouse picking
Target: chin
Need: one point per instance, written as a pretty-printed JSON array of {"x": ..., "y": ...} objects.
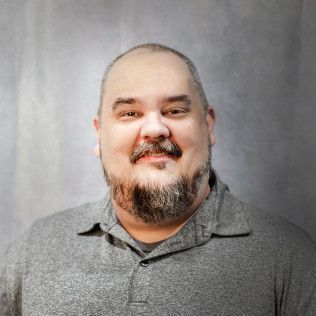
[{"x": 156, "y": 177}]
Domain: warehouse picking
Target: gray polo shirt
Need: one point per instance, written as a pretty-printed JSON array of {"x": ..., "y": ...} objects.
[{"x": 229, "y": 259}]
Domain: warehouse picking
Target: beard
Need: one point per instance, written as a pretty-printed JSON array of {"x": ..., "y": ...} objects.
[{"x": 152, "y": 202}]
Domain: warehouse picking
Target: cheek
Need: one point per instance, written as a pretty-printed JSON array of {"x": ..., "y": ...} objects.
[
  {"x": 117, "y": 140},
  {"x": 193, "y": 140},
  {"x": 192, "y": 136}
]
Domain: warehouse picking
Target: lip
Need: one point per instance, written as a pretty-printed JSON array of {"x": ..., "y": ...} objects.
[{"x": 152, "y": 158}]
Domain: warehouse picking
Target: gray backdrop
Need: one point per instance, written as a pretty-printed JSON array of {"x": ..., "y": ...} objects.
[{"x": 256, "y": 60}]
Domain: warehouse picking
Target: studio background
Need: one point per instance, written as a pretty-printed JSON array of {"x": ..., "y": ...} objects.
[{"x": 256, "y": 59}]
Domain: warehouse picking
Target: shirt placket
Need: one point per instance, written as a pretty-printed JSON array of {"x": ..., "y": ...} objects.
[{"x": 138, "y": 298}]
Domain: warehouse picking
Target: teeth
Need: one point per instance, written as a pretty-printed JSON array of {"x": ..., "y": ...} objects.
[{"x": 156, "y": 154}]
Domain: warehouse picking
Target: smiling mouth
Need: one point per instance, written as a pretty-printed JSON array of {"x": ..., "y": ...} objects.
[
  {"x": 163, "y": 150},
  {"x": 155, "y": 156}
]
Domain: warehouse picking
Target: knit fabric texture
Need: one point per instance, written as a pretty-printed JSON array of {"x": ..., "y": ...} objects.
[{"x": 230, "y": 258}]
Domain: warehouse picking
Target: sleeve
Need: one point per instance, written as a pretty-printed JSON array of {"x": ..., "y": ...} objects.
[
  {"x": 11, "y": 275},
  {"x": 299, "y": 291}
]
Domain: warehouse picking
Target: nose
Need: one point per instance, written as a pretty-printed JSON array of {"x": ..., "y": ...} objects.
[{"x": 154, "y": 127}]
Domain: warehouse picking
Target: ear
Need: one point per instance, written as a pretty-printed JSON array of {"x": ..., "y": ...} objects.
[
  {"x": 97, "y": 127},
  {"x": 210, "y": 120}
]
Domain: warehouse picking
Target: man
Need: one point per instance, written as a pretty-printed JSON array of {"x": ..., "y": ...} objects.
[{"x": 169, "y": 238}]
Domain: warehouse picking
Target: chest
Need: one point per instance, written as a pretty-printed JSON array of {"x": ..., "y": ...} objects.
[{"x": 99, "y": 278}]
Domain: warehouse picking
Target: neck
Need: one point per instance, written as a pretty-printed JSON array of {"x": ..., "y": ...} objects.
[{"x": 156, "y": 232}]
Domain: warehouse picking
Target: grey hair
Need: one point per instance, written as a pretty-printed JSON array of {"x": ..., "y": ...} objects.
[{"x": 153, "y": 47}]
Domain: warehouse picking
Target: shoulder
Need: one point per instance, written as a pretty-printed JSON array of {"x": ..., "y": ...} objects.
[
  {"x": 293, "y": 254},
  {"x": 57, "y": 225},
  {"x": 268, "y": 224},
  {"x": 41, "y": 243},
  {"x": 59, "y": 231},
  {"x": 278, "y": 235},
  {"x": 71, "y": 219}
]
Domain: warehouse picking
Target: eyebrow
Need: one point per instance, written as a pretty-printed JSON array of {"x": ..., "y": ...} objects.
[
  {"x": 179, "y": 98},
  {"x": 121, "y": 101},
  {"x": 176, "y": 98}
]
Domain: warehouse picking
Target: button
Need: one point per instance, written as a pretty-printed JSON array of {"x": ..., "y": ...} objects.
[{"x": 144, "y": 263}]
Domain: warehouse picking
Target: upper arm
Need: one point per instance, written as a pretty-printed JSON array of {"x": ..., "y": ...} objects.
[
  {"x": 300, "y": 289},
  {"x": 11, "y": 275}
]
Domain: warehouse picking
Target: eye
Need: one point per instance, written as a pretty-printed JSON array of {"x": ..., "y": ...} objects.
[
  {"x": 127, "y": 115},
  {"x": 130, "y": 114},
  {"x": 175, "y": 112}
]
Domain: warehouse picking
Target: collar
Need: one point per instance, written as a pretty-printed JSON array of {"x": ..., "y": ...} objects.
[{"x": 220, "y": 214}]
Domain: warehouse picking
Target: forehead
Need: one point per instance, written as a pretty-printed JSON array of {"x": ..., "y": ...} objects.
[{"x": 148, "y": 74}]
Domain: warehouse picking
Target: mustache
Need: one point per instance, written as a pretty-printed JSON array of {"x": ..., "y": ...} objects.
[{"x": 166, "y": 146}]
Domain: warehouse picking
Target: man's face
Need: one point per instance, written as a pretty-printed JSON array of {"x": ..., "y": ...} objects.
[{"x": 149, "y": 98}]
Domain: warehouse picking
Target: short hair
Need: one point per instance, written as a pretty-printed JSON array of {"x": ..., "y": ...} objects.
[{"x": 154, "y": 47}]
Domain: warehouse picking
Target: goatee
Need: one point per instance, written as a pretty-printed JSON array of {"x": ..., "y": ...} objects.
[{"x": 151, "y": 202}]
